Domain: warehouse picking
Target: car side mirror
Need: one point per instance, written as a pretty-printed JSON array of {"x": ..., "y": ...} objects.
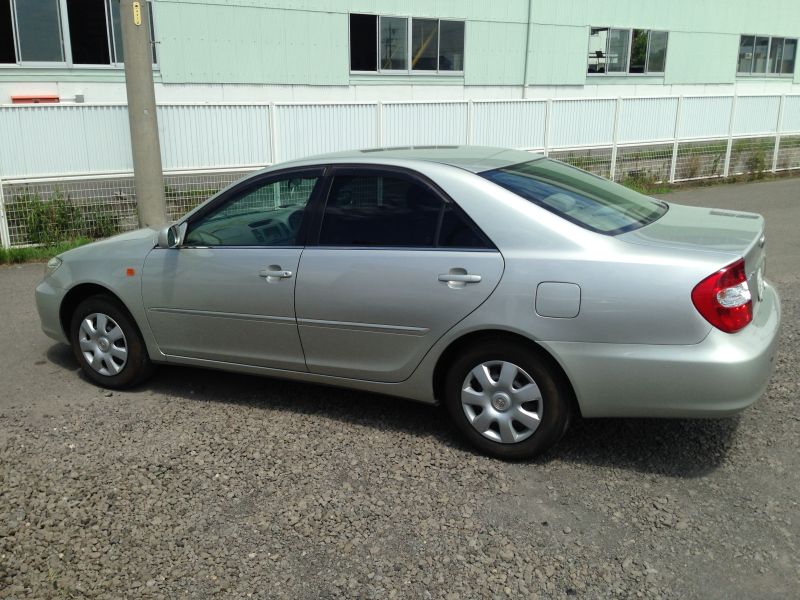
[{"x": 171, "y": 236}]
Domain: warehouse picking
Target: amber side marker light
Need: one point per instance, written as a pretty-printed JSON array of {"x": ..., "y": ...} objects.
[{"x": 130, "y": 272}]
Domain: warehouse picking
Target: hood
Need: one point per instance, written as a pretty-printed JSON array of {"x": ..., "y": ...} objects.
[{"x": 146, "y": 237}]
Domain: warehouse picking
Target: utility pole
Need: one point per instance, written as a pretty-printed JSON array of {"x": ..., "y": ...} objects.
[{"x": 147, "y": 173}]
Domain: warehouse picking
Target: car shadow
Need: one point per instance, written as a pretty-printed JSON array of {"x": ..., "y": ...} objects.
[
  {"x": 684, "y": 448},
  {"x": 61, "y": 355},
  {"x": 672, "y": 447}
]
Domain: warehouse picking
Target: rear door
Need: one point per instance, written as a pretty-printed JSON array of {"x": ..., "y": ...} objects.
[
  {"x": 396, "y": 264},
  {"x": 227, "y": 294}
]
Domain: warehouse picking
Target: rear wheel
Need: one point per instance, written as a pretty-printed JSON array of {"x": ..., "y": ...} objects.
[
  {"x": 107, "y": 344},
  {"x": 507, "y": 400}
]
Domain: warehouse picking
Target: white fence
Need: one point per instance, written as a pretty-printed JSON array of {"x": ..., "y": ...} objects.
[{"x": 46, "y": 148}]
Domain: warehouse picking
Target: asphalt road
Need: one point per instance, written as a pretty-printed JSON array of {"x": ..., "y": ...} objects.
[{"x": 202, "y": 484}]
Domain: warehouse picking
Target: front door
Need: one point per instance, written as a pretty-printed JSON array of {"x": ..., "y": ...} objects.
[
  {"x": 396, "y": 265},
  {"x": 227, "y": 293}
]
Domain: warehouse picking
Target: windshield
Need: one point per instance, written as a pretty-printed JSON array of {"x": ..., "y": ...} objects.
[{"x": 585, "y": 199}]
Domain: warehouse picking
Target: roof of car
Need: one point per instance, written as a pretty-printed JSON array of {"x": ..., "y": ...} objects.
[{"x": 471, "y": 158}]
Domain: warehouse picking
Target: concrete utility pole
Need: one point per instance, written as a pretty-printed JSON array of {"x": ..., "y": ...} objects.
[{"x": 147, "y": 173}]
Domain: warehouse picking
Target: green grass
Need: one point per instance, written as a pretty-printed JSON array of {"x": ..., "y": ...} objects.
[
  {"x": 38, "y": 253},
  {"x": 646, "y": 187}
]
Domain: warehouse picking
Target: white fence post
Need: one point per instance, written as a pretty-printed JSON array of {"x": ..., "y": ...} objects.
[
  {"x": 470, "y": 120},
  {"x": 727, "y": 168},
  {"x": 273, "y": 135},
  {"x": 379, "y": 124},
  {"x": 614, "y": 135},
  {"x": 5, "y": 236},
  {"x": 674, "y": 164},
  {"x": 778, "y": 135},
  {"x": 548, "y": 114}
]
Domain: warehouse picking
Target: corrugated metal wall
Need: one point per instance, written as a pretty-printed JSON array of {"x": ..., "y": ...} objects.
[
  {"x": 647, "y": 119},
  {"x": 43, "y": 141},
  {"x": 424, "y": 123},
  {"x": 586, "y": 122},
  {"x": 705, "y": 117},
  {"x": 756, "y": 114},
  {"x": 307, "y": 129},
  {"x": 791, "y": 114},
  {"x": 518, "y": 124},
  {"x": 59, "y": 140},
  {"x": 207, "y": 136}
]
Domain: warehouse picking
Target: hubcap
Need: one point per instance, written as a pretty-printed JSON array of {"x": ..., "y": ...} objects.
[
  {"x": 502, "y": 402},
  {"x": 103, "y": 344}
]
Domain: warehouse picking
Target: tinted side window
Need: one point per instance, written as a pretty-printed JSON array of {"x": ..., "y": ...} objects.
[
  {"x": 457, "y": 232},
  {"x": 269, "y": 214},
  {"x": 380, "y": 210}
]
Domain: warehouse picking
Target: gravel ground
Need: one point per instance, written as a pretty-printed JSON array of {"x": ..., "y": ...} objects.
[{"x": 210, "y": 485}]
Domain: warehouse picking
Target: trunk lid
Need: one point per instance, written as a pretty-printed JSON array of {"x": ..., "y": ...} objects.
[{"x": 736, "y": 233}]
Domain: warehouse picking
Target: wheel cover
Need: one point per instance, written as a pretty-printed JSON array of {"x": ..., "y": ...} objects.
[
  {"x": 502, "y": 402},
  {"x": 103, "y": 344}
]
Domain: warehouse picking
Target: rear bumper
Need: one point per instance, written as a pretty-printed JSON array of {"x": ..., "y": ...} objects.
[
  {"x": 722, "y": 375},
  {"x": 48, "y": 303}
]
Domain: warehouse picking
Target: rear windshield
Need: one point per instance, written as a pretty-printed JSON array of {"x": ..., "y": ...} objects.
[{"x": 585, "y": 199}]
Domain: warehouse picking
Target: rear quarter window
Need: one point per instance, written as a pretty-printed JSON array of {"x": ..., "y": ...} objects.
[{"x": 580, "y": 197}]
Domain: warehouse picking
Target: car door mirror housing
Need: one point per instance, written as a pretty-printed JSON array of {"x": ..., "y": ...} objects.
[{"x": 171, "y": 236}]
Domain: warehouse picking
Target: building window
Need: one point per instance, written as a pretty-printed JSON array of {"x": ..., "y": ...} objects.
[
  {"x": 626, "y": 51},
  {"x": 765, "y": 56},
  {"x": 394, "y": 44},
  {"x": 8, "y": 52},
  {"x": 39, "y": 30},
  {"x": 388, "y": 44},
  {"x": 363, "y": 48},
  {"x": 32, "y": 32}
]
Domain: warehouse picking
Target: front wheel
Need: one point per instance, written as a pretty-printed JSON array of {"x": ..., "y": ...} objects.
[
  {"x": 507, "y": 400},
  {"x": 107, "y": 344}
]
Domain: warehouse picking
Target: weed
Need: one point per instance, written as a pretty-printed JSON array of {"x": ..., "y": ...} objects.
[
  {"x": 757, "y": 164},
  {"x": 49, "y": 221},
  {"x": 644, "y": 182},
  {"x": 38, "y": 253},
  {"x": 103, "y": 225}
]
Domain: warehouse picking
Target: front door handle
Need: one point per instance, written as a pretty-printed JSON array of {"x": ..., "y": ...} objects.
[
  {"x": 459, "y": 278},
  {"x": 273, "y": 274}
]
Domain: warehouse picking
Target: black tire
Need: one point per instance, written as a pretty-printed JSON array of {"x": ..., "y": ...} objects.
[
  {"x": 556, "y": 398},
  {"x": 137, "y": 366}
]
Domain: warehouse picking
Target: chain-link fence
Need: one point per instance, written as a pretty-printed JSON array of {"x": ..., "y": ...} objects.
[
  {"x": 700, "y": 159},
  {"x": 47, "y": 211},
  {"x": 751, "y": 156},
  {"x": 645, "y": 164},
  {"x": 788, "y": 155},
  {"x": 594, "y": 160}
]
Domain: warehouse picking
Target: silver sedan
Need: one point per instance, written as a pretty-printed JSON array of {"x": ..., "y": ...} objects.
[{"x": 517, "y": 291}]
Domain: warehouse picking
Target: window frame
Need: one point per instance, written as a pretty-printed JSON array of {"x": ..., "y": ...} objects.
[
  {"x": 409, "y": 28},
  {"x": 766, "y": 75},
  {"x": 627, "y": 73},
  {"x": 378, "y": 68},
  {"x": 377, "y": 170},
  {"x": 250, "y": 184},
  {"x": 66, "y": 42}
]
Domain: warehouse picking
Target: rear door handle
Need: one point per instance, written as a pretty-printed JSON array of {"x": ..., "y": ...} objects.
[
  {"x": 279, "y": 274},
  {"x": 459, "y": 278}
]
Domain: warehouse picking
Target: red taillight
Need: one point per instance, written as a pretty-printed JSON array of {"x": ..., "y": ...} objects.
[{"x": 724, "y": 298}]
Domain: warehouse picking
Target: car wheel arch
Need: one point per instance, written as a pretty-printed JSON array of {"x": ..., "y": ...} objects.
[
  {"x": 476, "y": 337},
  {"x": 81, "y": 292}
]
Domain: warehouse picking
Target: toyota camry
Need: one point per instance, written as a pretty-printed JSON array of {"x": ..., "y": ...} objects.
[{"x": 517, "y": 291}]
